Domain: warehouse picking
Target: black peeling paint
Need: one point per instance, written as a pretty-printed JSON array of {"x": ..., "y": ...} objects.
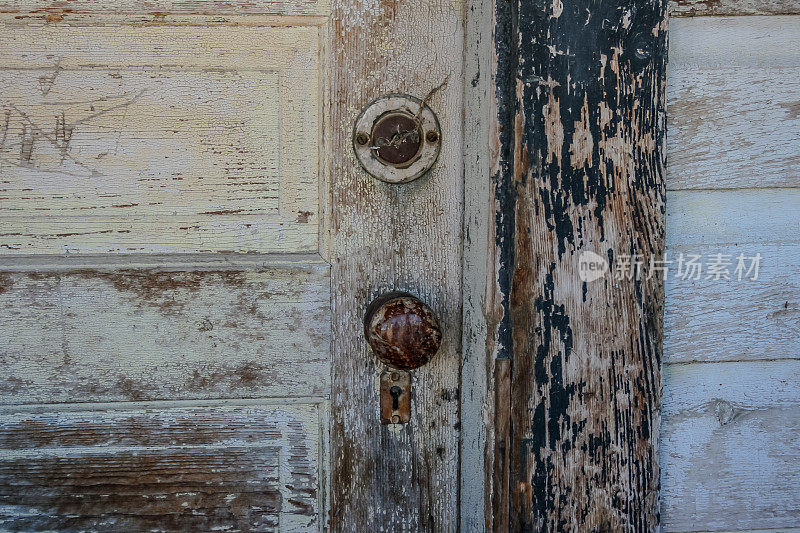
[
  {"x": 579, "y": 59},
  {"x": 502, "y": 181},
  {"x": 566, "y": 54}
]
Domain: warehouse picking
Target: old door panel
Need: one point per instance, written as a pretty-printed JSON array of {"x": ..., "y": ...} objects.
[
  {"x": 141, "y": 333},
  {"x": 58, "y": 10},
  {"x": 152, "y": 382},
  {"x": 143, "y": 467},
  {"x": 123, "y": 138}
]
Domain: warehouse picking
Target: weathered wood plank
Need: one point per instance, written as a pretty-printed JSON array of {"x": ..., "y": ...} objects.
[
  {"x": 733, "y": 320},
  {"x": 766, "y": 216},
  {"x": 731, "y": 445},
  {"x": 734, "y": 111},
  {"x": 693, "y": 8},
  {"x": 588, "y": 175},
  {"x": 123, "y": 332},
  {"x": 143, "y": 467},
  {"x": 404, "y": 237},
  {"x": 710, "y": 319},
  {"x": 57, "y": 10},
  {"x": 123, "y": 138}
]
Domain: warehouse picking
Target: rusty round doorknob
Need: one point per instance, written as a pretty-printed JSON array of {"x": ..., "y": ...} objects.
[{"x": 402, "y": 330}]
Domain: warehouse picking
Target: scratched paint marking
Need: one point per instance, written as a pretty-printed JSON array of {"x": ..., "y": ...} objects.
[{"x": 155, "y": 157}]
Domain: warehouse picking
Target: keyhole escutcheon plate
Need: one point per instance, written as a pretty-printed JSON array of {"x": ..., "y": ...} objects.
[
  {"x": 397, "y": 138},
  {"x": 395, "y": 397}
]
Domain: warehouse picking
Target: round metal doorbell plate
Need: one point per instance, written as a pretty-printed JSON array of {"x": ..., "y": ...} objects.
[{"x": 397, "y": 138}]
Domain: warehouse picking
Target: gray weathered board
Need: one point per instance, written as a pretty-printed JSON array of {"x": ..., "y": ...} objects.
[
  {"x": 734, "y": 110},
  {"x": 692, "y": 8},
  {"x": 730, "y": 451}
]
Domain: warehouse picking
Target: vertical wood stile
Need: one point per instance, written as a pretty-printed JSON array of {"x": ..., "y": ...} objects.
[{"x": 395, "y": 237}]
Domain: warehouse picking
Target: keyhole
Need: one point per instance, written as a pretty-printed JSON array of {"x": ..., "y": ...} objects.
[{"x": 395, "y": 391}]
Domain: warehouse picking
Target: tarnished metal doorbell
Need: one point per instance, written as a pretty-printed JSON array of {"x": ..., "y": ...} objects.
[
  {"x": 397, "y": 138},
  {"x": 404, "y": 334}
]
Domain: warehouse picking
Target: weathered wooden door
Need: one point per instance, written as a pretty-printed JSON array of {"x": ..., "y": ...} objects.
[
  {"x": 190, "y": 237},
  {"x": 187, "y": 249}
]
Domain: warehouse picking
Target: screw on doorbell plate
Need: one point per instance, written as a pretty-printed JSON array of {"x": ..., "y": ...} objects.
[{"x": 397, "y": 138}]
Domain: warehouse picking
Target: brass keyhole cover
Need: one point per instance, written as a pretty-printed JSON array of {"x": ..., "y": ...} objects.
[{"x": 397, "y": 138}]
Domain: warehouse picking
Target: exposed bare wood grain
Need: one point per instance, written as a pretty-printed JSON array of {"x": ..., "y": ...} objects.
[
  {"x": 734, "y": 109},
  {"x": 693, "y": 8},
  {"x": 403, "y": 237},
  {"x": 122, "y": 333},
  {"x": 588, "y": 175},
  {"x": 140, "y": 468},
  {"x": 122, "y": 138},
  {"x": 730, "y": 446}
]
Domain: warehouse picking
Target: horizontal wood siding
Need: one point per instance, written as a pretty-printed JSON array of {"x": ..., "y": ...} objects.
[
  {"x": 691, "y": 8},
  {"x": 731, "y": 445},
  {"x": 140, "y": 468},
  {"x": 139, "y": 333},
  {"x": 734, "y": 108},
  {"x": 755, "y": 319},
  {"x": 731, "y": 411}
]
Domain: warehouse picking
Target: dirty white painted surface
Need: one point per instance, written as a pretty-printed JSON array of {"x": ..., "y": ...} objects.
[
  {"x": 730, "y": 450},
  {"x": 143, "y": 332},
  {"x": 150, "y": 381},
  {"x": 58, "y": 10},
  {"x": 122, "y": 138}
]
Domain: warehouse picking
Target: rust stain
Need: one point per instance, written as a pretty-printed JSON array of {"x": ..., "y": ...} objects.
[
  {"x": 248, "y": 374},
  {"x": 792, "y": 108},
  {"x": 14, "y": 384},
  {"x": 6, "y": 283},
  {"x": 303, "y": 216},
  {"x": 54, "y": 17},
  {"x": 168, "y": 291},
  {"x": 131, "y": 389}
]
